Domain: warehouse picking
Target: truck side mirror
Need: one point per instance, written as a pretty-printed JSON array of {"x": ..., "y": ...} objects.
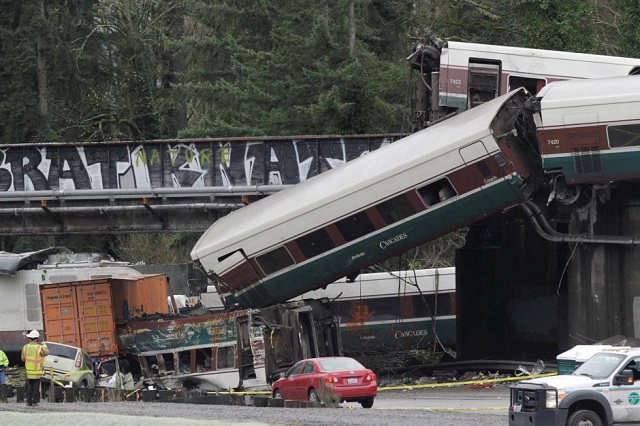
[{"x": 625, "y": 377}]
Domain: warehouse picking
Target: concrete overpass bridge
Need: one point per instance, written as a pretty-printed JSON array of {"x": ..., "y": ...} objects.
[{"x": 181, "y": 185}]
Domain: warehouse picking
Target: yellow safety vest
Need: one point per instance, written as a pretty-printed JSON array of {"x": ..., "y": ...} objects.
[
  {"x": 4, "y": 361},
  {"x": 33, "y": 360}
]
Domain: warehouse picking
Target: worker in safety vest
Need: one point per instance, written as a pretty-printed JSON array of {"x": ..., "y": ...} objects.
[
  {"x": 4, "y": 363},
  {"x": 33, "y": 354}
]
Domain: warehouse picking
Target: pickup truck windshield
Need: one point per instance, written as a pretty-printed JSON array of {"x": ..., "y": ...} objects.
[{"x": 600, "y": 366}]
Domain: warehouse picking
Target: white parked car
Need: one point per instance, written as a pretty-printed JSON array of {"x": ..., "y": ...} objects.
[{"x": 71, "y": 365}]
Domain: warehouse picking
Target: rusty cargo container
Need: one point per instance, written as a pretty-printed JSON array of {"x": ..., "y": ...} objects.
[{"x": 85, "y": 313}]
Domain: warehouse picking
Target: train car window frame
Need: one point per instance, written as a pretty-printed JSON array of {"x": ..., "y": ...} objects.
[
  {"x": 315, "y": 243},
  {"x": 355, "y": 226},
  {"x": 396, "y": 209},
  {"x": 623, "y": 135},
  {"x": 436, "y": 192},
  {"x": 275, "y": 260}
]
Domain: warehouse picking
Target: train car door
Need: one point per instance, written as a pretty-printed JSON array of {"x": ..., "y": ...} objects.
[{"x": 484, "y": 81}]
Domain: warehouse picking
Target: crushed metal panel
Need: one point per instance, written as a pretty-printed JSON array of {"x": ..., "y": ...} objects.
[{"x": 10, "y": 263}]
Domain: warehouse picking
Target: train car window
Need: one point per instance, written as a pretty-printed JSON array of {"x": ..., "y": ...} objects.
[
  {"x": 275, "y": 260},
  {"x": 499, "y": 159},
  {"x": 382, "y": 309},
  {"x": 343, "y": 309},
  {"x": 225, "y": 357},
  {"x": 533, "y": 85},
  {"x": 436, "y": 192},
  {"x": 169, "y": 362},
  {"x": 484, "y": 170},
  {"x": 203, "y": 359},
  {"x": 422, "y": 309},
  {"x": 184, "y": 362},
  {"x": 624, "y": 135},
  {"x": 314, "y": 243},
  {"x": 396, "y": 209},
  {"x": 355, "y": 226}
]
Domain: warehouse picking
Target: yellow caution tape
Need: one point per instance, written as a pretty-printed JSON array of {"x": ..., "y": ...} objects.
[
  {"x": 406, "y": 387},
  {"x": 469, "y": 382}
]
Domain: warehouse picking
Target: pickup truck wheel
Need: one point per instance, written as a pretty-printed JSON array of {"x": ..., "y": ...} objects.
[{"x": 584, "y": 418}]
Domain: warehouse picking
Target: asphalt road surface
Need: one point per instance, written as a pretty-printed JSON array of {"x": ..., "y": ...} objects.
[{"x": 440, "y": 406}]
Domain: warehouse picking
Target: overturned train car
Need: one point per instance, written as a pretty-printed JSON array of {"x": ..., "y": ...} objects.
[
  {"x": 402, "y": 195},
  {"x": 243, "y": 349}
]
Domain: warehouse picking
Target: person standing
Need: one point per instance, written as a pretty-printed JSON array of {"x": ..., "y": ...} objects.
[
  {"x": 33, "y": 354},
  {"x": 4, "y": 363}
]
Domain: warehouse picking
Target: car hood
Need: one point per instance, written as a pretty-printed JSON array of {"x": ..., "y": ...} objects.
[{"x": 564, "y": 381}]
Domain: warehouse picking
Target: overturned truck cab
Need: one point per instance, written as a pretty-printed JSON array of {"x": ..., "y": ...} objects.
[{"x": 243, "y": 349}]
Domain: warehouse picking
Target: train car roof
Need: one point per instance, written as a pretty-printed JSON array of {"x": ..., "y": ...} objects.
[
  {"x": 481, "y": 50},
  {"x": 598, "y": 91},
  {"x": 388, "y": 284},
  {"x": 363, "y": 172}
]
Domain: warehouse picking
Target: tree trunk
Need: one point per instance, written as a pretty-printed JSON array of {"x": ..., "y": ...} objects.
[
  {"x": 43, "y": 104},
  {"x": 352, "y": 27}
]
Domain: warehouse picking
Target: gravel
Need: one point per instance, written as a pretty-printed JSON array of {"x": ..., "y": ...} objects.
[{"x": 165, "y": 414}]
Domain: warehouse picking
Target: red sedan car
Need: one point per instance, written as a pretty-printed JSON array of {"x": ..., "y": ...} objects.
[{"x": 327, "y": 379}]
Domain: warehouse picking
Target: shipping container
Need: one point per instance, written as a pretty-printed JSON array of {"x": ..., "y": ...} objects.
[{"x": 84, "y": 313}]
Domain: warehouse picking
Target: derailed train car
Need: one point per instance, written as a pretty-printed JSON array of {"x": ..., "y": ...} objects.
[
  {"x": 242, "y": 349},
  {"x": 416, "y": 189}
]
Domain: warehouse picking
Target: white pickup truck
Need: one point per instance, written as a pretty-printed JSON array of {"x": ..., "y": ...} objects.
[{"x": 602, "y": 391}]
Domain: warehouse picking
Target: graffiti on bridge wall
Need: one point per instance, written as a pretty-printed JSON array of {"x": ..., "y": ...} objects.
[{"x": 179, "y": 164}]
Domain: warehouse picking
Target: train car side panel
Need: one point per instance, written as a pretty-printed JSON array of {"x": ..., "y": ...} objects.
[{"x": 337, "y": 263}]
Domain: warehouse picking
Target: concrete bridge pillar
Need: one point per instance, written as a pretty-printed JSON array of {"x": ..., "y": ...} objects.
[{"x": 604, "y": 279}]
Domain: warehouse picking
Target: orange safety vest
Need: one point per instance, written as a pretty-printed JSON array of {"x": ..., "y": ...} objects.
[{"x": 33, "y": 357}]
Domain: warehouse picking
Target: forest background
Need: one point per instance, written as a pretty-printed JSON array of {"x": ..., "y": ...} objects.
[{"x": 106, "y": 70}]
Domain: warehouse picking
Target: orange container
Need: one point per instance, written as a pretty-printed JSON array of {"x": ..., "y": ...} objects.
[
  {"x": 134, "y": 297},
  {"x": 80, "y": 314}
]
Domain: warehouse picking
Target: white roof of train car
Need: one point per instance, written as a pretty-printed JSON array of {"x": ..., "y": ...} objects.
[
  {"x": 601, "y": 96},
  {"x": 339, "y": 183},
  {"x": 549, "y": 63},
  {"x": 388, "y": 284}
]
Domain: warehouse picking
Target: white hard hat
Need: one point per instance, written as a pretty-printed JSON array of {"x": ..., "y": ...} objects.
[{"x": 33, "y": 334}]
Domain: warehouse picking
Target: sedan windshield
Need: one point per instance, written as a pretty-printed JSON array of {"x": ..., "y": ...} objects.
[{"x": 600, "y": 366}]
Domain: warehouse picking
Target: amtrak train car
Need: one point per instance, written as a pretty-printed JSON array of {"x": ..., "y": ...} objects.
[
  {"x": 395, "y": 309},
  {"x": 402, "y": 195},
  {"x": 589, "y": 130}
]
